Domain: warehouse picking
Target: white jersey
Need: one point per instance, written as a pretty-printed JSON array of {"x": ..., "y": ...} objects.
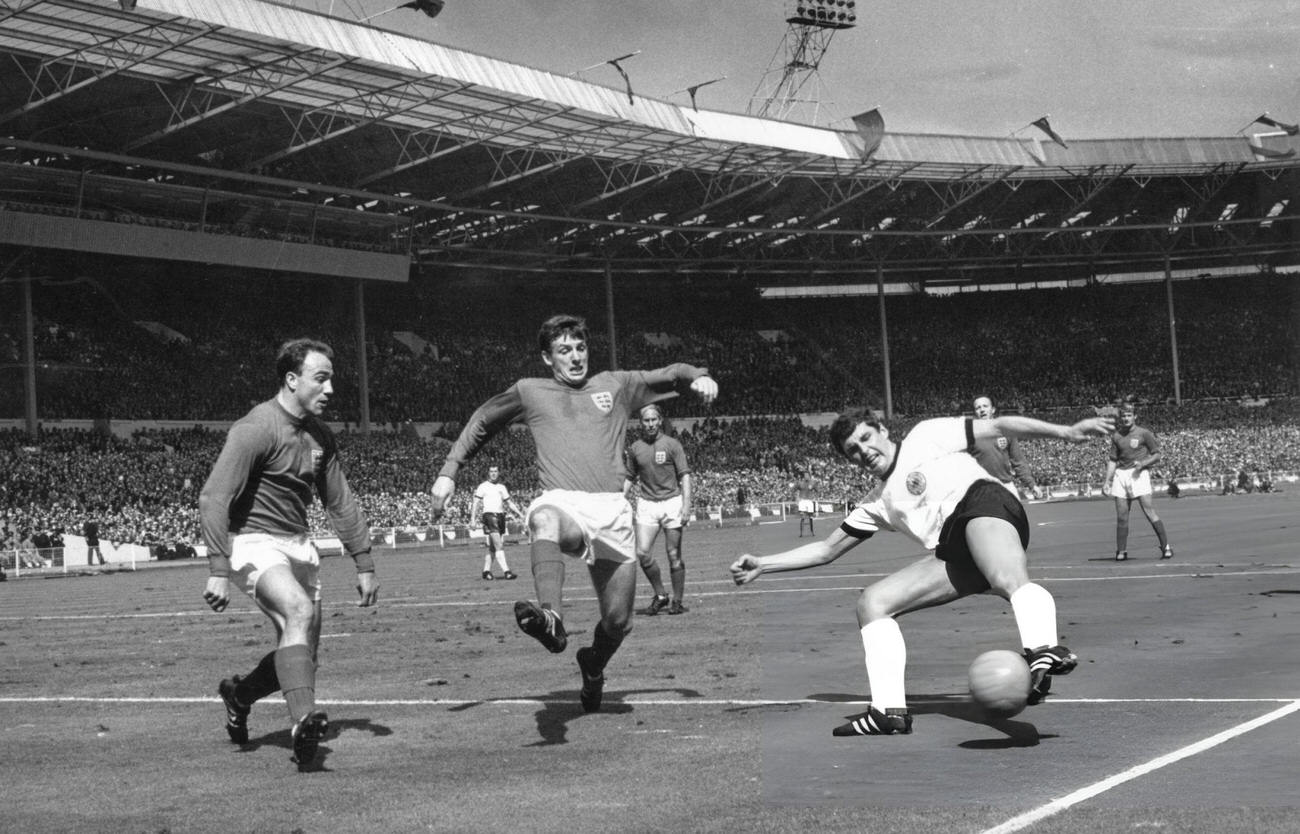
[
  {"x": 932, "y": 471},
  {"x": 493, "y": 496}
]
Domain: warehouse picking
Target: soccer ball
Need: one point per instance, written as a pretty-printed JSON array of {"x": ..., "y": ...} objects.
[{"x": 999, "y": 683}]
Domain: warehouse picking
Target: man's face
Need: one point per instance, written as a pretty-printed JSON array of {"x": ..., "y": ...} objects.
[
  {"x": 494, "y": 474},
  {"x": 312, "y": 388},
  {"x": 650, "y": 423},
  {"x": 1127, "y": 419},
  {"x": 984, "y": 408},
  {"x": 567, "y": 359},
  {"x": 871, "y": 448}
]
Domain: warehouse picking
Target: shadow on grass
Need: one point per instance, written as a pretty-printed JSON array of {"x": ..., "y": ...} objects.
[
  {"x": 282, "y": 738},
  {"x": 1017, "y": 733},
  {"x": 559, "y": 708}
]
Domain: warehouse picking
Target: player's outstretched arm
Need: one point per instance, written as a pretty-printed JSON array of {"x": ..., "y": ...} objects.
[
  {"x": 1014, "y": 425},
  {"x": 749, "y": 567}
]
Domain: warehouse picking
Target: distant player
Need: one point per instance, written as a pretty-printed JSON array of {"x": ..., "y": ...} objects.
[
  {"x": 492, "y": 499},
  {"x": 804, "y": 502},
  {"x": 658, "y": 463},
  {"x": 1001, "y": 457},
  {"x": 933, "y": 490},
  {"x": 1133, "y": 451},
  {"x": 579, "y": 426},
  {"x": 253, "y": 512}
]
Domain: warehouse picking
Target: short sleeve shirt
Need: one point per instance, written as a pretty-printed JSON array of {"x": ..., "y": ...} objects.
[
  {"x": 932, "y": 471},
  {"x": 493, "y": 496}
]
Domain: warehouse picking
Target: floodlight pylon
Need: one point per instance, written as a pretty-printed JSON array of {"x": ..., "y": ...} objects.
[{"x": 791, "y": 89}]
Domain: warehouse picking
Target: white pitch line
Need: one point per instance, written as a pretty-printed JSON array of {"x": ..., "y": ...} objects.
[
  {"x": 1057, "y": 805},
  {"x": 650, "y": 702},
  {"x": 409, "y": 602}
]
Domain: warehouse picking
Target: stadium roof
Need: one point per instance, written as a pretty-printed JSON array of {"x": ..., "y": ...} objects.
[{"x": 258, "y": 116}]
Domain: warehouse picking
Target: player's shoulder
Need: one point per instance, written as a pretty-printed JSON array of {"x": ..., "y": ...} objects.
[{"x": 262, "y": 418}]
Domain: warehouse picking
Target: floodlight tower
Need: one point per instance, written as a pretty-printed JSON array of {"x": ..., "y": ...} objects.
[{"x": 791, "y": 87}]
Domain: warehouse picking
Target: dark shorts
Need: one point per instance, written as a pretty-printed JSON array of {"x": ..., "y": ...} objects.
[
  {"x": 984, "y": 499},
  {"x": 494, "y": 523}
]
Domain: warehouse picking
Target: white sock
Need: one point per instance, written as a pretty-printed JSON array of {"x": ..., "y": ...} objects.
[
  {"x": 487, "y": 562},
  {"x": 501, "y": 560},
  {"x": 886, "y": 656},
  {"x": 1035, "y": 612}
]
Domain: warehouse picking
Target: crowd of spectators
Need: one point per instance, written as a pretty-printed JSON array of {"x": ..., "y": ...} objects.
[
  {"x": 206, "y": 354},
  {"x": 154, "y": 347}
]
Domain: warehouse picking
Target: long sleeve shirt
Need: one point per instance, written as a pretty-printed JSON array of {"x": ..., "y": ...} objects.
[
  {"x": 263, "y": 482},
  {"x": 579, "y": 431}
]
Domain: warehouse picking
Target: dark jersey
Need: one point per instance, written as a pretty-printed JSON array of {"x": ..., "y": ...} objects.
[
  {"x": 659, "y": 466},
  {"x": 263, "y": 481},
  {"x": 1127, "y": 448},
  {"x": 579, "y": 431},
  {"x": 1002, "y": 458}
]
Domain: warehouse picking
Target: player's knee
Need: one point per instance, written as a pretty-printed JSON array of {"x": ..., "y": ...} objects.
[
  {"x": 545, "y": 523},
  {"x": 617, "y": 624},
  {"x": 298, "y": 613},
  {"x": 871, "y": 607}
]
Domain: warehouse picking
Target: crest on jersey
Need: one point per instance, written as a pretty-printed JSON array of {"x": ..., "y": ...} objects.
[
  {"x": 1133, "y": 443},
  {"x": 915, "y": 483},
  {"x": 1002, "y": 443},
  {"x": 661, "y": 457},
  {"x": 603, "y": 400}
]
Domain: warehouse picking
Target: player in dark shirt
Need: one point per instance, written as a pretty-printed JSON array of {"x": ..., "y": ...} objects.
[
  {"x": 579, "y": 427},
  {"x": 658, "y": 463},
  {"x": 1133, "y": 451},
  {"x": 1001, "y": 456},
  {"x": 253, "y": 512}
]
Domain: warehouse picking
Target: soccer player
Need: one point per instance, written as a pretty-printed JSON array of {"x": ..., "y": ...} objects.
[
  {"x": 807, "y": 509},
  {"x": 253, "y": 512},
  {"x": 1133, "y": 450},
  {"x": 658, "y": 463},
  {"x": 932, "y": 489},
  {"x": 1001, "y": 456},
  {"x": 493, "y": 499},
  {"x": 579, "y": 426}
]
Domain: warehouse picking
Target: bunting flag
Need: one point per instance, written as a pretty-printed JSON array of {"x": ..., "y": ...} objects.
[
  {"x": 871, "y": 127},
  {"x": 1269, "y": 153},
  {"x": 1042, "y": 125},
  {"x": 614, "y": 62},
  {"x": 1291, "y": 130},
  {"x": 692, "y": 90},
  {"x": 429, "y": 7}
]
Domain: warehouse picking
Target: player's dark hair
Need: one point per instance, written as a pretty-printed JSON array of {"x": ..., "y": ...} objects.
[
  {"x": 847, "y": 423},
  {"x": 561, "y": 325},
  {"x": 294, "y": 352}
]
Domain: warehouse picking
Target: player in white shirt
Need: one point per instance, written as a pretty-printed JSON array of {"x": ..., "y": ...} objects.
[
  {"x": 492, "y": 499},
  {"x": 934, "y": 491}
]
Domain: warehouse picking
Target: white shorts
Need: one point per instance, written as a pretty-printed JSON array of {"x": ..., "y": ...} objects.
[
  {"x": 806, "y": 505},
  {"x": 666, "y": 513},
  {"x": 1131, "y": 484},
  {"x": 604, "y": 517},
  {"x": 252, "y": 554}
]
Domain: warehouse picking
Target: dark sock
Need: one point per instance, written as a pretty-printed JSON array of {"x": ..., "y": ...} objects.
[
  {"x": 655, "y": 576},
  {"x": 1160, "y": 533},
  {"x": 259, "y": 683},
  {"x": 678, "y": 573},
  {"x": 297, "y": 675},
  {"x": 603, "y": 646},
  {"x": 548, "y": 573}
]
